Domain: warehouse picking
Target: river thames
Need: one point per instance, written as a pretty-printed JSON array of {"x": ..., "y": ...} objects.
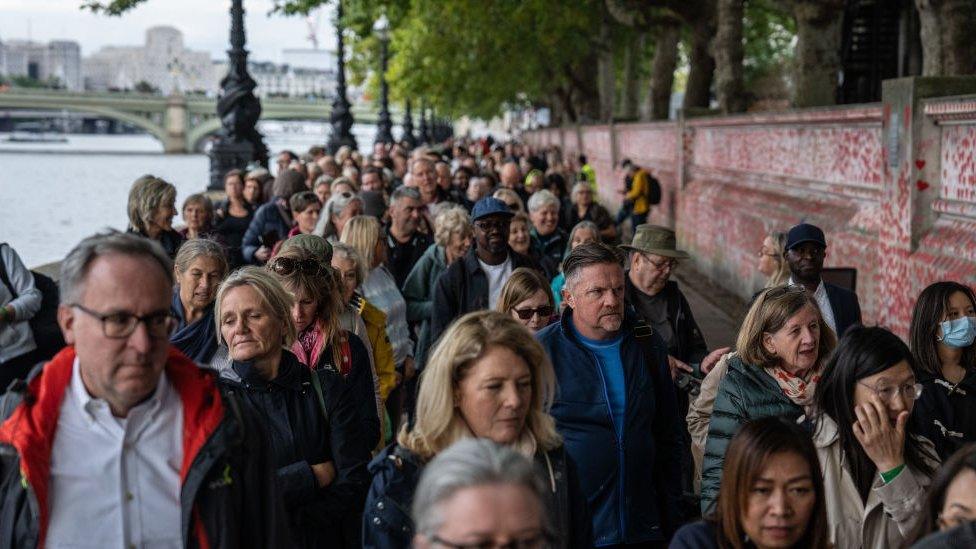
[{"x": 52, "y": 195}]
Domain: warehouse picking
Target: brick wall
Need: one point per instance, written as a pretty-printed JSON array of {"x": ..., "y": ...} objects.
[{"x": 892, "y": 184}]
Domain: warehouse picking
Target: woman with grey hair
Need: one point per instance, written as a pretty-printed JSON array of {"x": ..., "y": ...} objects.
[
  {"x": 479, "y": 493},
  {"x": 547, "y": 238},
  {"x": 452, "y": 239},
  {"x": 199, "y": 268},
  {"x": 341, "y": 207},
  {"x": 151, "y": 207}
]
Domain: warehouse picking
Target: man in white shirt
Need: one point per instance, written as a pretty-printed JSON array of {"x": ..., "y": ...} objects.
[
  {"x": 121, "y": 440},
  {"x": 806, "y": 248}
]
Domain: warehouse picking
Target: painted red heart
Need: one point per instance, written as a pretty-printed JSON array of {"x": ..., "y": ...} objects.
[
  {"x": 920, "y": 164},
  {"x": 922, "y": 185}
]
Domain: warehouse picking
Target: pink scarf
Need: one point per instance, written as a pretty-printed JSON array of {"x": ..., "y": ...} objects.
[{"x": 308, "y": 345}]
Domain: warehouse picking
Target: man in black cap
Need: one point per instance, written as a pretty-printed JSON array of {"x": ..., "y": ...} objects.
[
  {"x": 805, "y": 251},
  {"x": 475, "y": 282}
]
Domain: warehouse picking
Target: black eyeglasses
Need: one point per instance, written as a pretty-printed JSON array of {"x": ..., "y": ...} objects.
[
  {"x": 285, "y": 266},
  {"x": 525, "y": 314},
  {"x": 495, "y": 224},
  {"x": 121, "y": 325}
]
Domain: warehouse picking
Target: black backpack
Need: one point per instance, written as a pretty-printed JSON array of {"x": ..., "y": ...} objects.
[
  {"x": 653, "y": 190},
  {"x": 44, "y": 324}
]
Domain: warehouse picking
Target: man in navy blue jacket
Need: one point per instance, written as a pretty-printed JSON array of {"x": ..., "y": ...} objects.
[{"x": 615, "y": 405}]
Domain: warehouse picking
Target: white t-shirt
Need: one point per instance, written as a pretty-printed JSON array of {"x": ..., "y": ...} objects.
[{"x": 497, "y": 277}]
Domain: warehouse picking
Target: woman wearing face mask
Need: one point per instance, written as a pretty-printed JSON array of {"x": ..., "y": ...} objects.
[
  {"x": 773, "y": 495},
  {"x": 874, "y": 472},
  {"x": 942, "y": 333},
  {"x": 487, "y": 377},
  {"x": 950, "y": 502},
  {"x": 780, "y": 351}
]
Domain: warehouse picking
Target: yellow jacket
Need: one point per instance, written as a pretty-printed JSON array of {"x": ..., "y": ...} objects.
[
  {"x": 375, "y": 321},
  {"x": 638, "y": 192}
]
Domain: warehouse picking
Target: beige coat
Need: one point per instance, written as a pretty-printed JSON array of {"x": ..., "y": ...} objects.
[
  {"x": 892, "y": 509},
  {"x": 700, "y": 412}
]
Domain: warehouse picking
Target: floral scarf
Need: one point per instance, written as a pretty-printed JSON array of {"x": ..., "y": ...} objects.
[{"x": 796, "y": 388}]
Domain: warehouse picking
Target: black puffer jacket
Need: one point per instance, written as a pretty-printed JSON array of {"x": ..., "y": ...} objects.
[
  {"x": 300, "y": 435},
  {"x": 387, "y": 523}
]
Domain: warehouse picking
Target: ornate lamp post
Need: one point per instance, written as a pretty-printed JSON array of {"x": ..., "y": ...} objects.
[
  {"x": 423, "y": 136},
  {"x": 341, "y": 118},
  {"x": 384, "y": 125},
  {"x": 238, "y": 142},
  {"x": 408, "y": 136}
]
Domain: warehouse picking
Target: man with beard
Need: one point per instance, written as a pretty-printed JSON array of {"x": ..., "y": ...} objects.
[
  {"x": 805, "y": 251},
  {"x": 615, "y": 406},
  {"x": 475, "y": 282}
]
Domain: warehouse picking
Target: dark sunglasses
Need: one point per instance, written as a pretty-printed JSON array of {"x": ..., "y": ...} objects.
[
  {"x": 525, "y": 314},
  {"x": 285, "y": 266}
]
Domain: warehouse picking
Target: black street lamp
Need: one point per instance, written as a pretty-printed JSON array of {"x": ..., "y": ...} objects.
[
  {"x": 384, "y": 125},
  {"x": 341, "y": 118},
  {"x": 238, "y": 142},
  {"x": 423, "y": 133},
  {"x": 408, "y": 136}
]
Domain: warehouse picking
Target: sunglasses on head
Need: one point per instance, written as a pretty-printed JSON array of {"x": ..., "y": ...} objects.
[
  {"x": 285, "y": 266},
  {"x": 525, "y": 314}
]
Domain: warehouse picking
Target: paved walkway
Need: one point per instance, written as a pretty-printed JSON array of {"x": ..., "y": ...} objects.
[{"x": 717, "y": 312}]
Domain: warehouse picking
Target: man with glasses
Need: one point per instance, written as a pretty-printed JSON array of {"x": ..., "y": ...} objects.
[
  {"x": 122, "y": 441},
  {"x": 805, "y": 251},
  {"x": 475, "y": 281}
]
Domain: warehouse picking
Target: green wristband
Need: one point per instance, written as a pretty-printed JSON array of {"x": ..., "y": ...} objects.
[{"x": 889, "y": 476}]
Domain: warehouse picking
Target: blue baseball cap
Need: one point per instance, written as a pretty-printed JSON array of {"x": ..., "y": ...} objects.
[
  {"x": 805, "y": 232},
  {"x": 490, "y": 205}
]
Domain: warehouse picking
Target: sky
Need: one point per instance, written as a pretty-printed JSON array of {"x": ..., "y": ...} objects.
[{"x": 205, "y": 25}]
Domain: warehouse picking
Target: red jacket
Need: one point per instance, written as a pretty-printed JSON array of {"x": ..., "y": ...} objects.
[{"x": 233, "y": 473}]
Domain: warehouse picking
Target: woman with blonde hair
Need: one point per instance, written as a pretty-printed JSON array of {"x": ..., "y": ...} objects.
[
  {"x": 772, "y": 263},
  {"x": 779, "y": 356},
  {"x": 528, "y": 299},
  {"x": 314, "y": 425},
  {"x": 486, "y": 378},
  {"x": 151, "y": 207}
]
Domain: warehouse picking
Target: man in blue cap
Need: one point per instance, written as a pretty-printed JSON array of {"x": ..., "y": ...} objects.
[
  {"x": 475, "y": 281},
  {"x": 805, "y": 251}
]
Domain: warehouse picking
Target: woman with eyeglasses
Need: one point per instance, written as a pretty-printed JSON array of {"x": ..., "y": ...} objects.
[
  {"x": 528, "y": 299},
  {"x": 874, "y": 471},
  {"x": 320, "y": 341},
  {"x": 313, "y": 421},
  {"x": 777, "y": 365},
  {"x": 942, "y": 337},
  {"x": 487, "y": 378},
  {"x": 772, "y": 495},
  {"x": 949, "y": 502},
  {"x": 200, "y": 266}
]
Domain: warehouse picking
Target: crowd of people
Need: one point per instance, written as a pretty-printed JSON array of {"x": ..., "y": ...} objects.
[{"x": 461, "y": 346}]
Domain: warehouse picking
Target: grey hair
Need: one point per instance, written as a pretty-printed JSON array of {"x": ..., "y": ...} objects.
[
  {"x": 196, "y": 248},
  {"x": 585, "y": 255},
  {"x": 577, "y": 187},
  {"x": 74, "y": 267},
  {"x": 468, "y": 463},
  {"x": 404, "y": 191},
  {"x": 347, "y": 252},
  {"x": 541, "y": 199},
  {"x": 333, "y": 206},
  {"x": 146, "y": 195},
  {"x": 323, "y": 179}
]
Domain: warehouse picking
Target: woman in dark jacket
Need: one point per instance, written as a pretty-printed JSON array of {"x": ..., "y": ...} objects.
[
  {"x": 487, "y": 378},
  {"x": 151, "y": 207},
  {"x": 942, "y": 333},
  {"x": 781, "y": 347},
  {"x": 317, "y": 442},
  {"x": 200, "y": 266}
]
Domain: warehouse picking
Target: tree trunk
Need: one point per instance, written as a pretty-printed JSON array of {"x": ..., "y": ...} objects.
[
  {"x": 818, "y": 44},
  {"x": 631, "y": 86},
  {"x": 584, "y": 93},
  {"x": 662, "y": 71},
  {"x": 946, "y": 29},
  {"x": 605, "y": 70},
  {"x": 698, "y": 89},
  {"x": 728, "y": 49}
]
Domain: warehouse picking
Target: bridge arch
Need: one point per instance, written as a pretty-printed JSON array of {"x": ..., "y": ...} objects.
[{"x": 141, "y": 122}]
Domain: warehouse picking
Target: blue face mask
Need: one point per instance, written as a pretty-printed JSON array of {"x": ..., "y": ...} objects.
[{"x": 959, "y": 333}]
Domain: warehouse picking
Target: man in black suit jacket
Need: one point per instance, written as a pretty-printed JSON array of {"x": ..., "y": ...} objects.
[{"x": 805, "y": 251}]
